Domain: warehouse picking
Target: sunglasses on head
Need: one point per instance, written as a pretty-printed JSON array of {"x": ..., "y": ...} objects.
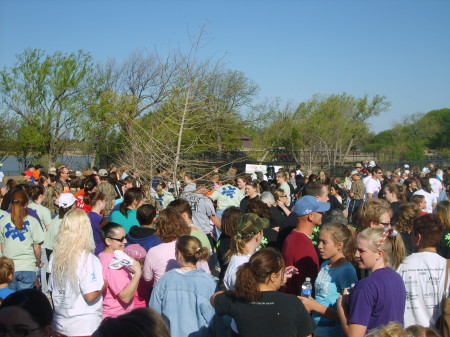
[{"x": 120, "y": 240}]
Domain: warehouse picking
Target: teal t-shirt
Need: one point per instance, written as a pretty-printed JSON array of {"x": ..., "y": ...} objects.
[
  {"x": 329, "y": 285},
  {"x": 125, "y": 222}
]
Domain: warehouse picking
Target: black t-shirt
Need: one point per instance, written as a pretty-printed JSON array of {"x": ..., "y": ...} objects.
[
  {"x": 407, "y": 241},
  {"x": 394, "y": 207},
  {"x": 277, "y": 217},
  {"x": 275, "y": 314},
  {"x": 444, "y": 245},
  {"x": 222, "y": 247}
]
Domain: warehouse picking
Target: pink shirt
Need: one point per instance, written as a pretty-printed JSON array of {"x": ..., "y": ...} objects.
[
  {"x": 142, "y": 295},
  {"x": 117, "y": 280},
  {"x": 160, "y": 259}
]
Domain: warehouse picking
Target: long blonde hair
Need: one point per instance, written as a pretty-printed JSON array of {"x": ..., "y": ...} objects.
[{"x": 73, "y": 244}]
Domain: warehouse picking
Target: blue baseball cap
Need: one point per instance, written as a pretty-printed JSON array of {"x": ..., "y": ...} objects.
[{"x": 309, "y": 204}]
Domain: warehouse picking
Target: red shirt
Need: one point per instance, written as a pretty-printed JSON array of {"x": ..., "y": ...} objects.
[
  {"x": 299, "y": 251},
  {"x": 79, "y": 195}
]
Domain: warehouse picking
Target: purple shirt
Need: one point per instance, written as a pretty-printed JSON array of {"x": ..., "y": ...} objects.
[
  {"x": 96, "y": 219},
  {"x": 378, "y": 299}
]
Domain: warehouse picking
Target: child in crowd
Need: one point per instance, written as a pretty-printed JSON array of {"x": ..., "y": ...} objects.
[
  {"x": 145, "y": 233},
  {"x": 6, "y": 276},
  {"x": 420, "y": 200}
]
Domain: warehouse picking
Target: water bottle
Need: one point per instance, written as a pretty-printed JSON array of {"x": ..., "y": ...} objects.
[{"x": 307, "y": 288}]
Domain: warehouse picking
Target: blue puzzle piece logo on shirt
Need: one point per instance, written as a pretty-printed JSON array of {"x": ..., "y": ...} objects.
[
  {"x": 229, "y": 191},
  {"x": 14, "y": 233}
]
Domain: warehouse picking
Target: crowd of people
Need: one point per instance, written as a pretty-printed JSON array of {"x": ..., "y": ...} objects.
[{"x": 105, "y": 253}]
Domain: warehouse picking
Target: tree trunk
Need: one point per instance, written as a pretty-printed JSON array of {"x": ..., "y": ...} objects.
[
  {"x": 263, "y": 158},
  {"x": 348, "y": 150},
  {"x": 219, "y": 142}
]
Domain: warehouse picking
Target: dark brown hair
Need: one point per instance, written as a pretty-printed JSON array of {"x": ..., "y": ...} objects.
[
  {"x": 170, "y": 225},
  {"x": 262, "y": 264},
  {"x": 258, "y": 207},
  {"x": 430, "y": 227},
  {"x": 92, "y": 198},
  {"x": 34, "y": 302},
  {"x": 142, "y": 322},
  {"x": 36, "y": 191},
  {"x": 182, "y": 206},
  {"x": 131, "y": 195}
]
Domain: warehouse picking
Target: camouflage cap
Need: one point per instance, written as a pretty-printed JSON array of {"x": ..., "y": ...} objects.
[{"x": 250, "y": 223}]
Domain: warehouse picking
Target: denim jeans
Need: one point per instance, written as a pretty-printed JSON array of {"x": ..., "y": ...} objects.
[{"x": 23, "y": 280}]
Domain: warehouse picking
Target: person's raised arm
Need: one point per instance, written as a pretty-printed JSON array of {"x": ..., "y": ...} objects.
[{"x": 127, "y": 293}]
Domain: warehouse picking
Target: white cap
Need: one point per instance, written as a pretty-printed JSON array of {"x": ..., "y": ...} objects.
[{"x": 66, "y": 200}]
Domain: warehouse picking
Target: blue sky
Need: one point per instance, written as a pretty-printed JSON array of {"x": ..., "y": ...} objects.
[{"x": 291, "y": 49}]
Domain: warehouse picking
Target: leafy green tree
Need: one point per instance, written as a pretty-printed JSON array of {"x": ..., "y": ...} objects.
[
  {"x": 331, "y": 125},
  {"x": 439, "y": 123},
  {"x": 49, "y": 94},
  {"x": 226, "y": 93}
]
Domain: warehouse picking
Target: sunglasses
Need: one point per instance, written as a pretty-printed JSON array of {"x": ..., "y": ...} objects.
[
  {"x": 385, "y": 224},
  {"x": 122, "y": 239}
]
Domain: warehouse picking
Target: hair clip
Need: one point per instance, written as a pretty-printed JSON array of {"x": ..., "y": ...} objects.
[
  {"x": 387, "y": 232},
  {"x": 198, "y": 249},
  {"x": 393, "y": 233},
  {"x": 239, "y": 234}
]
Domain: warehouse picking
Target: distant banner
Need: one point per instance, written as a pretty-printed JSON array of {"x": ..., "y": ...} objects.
[{"x": 252, "y": 168}]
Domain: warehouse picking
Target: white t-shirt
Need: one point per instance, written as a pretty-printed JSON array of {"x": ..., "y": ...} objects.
[
  {"x": 229, "y": 280},
  {"x": 373, "y": 186},
  {"x": 424, "y": 276},
  {"x": 429, "y": 198},
  {"x": 436, "y": 187},
  {"x": 73, "y": 315},
  {"x": 365, "y": 179}
]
